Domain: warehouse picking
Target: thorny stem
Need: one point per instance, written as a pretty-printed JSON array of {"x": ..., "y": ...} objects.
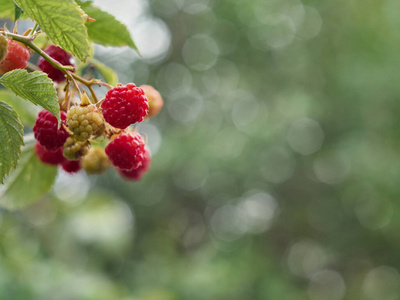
[{"x": 28, "y": 41}]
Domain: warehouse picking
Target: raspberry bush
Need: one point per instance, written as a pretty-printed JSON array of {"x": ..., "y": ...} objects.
[{"x": 87, "y": 124}]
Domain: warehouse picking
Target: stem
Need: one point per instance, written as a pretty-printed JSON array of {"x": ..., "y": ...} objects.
[
  {"x": 28, "y": 41},
  {"x": 75, "y": 84},
  {"x": 95, "y": 99},
  {"x": 33, "y": 30}
]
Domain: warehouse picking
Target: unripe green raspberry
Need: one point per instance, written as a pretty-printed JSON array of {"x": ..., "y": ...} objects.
[
  {"x": 96, "y": 161},
  {"x": 85, "y": 122},
  {"x": 74, "y": 149},
  {"x": 3, "y": 47}
]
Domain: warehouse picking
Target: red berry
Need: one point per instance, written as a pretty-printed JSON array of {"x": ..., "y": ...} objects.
[
  {"x": 60, "y": 55},
  {"x": 47, "y": 132},
  {"x": 126, "y": 151},
  {"x": 125, "y": 105},
  {"x": 137, "y": 174},
  {"x": 49, "y": 157},
  {"x": 17, "y": 57},
  {"x": 71, "y": 166}
]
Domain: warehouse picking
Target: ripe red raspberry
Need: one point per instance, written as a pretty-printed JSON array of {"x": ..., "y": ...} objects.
[
  {"x": 3, "y": 47},
  {"x": 155, "y": 100},
  {"x": 125, "y": 105},
  {"x": 85, "y": 121},
  {"x": 71, "y": 166},
  {"x": 47, "y": 132},
  {"x": 126, "y": 151},
  {"x": 137, "y": 174},
  {"x": 59, "y": 55},
  {"x": 17, "y": 57},
  {"x": 49, "y": 157}
]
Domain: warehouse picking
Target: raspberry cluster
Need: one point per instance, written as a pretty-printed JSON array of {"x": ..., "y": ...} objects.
[{"x": 69, "y": 143}]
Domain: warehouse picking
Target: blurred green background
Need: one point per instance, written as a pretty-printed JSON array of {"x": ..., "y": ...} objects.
[{"x": 275, "y": 171}]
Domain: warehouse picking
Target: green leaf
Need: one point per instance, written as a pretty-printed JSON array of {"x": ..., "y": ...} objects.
[
  {"x": 17, "y": 12},
  {"x": 11, "y": 139},
  {"x": 63, "y": 21},
  {"x": 35, "y": 87},
  {"x": 108, "y": 74},
  {"x": 27, "y": 111},
  {"x": 7, "y": 9},
  {"x": 106, "y": 30},
  {"x": 29, "y": 181}
]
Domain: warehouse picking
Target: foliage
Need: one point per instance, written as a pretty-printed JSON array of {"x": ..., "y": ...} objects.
[
  {"x": 65, "y": 24},
  {"x": 296, "y": 101}
]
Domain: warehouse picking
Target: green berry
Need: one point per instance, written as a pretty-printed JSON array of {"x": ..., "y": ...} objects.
[
  {"x": 85, "y": 122},
  {"x": 74, "y": 149},
  {"x": 96, "y": 161}
]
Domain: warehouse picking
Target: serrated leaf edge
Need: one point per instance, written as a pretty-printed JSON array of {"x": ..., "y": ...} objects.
[{"x": 17, "y": 159}]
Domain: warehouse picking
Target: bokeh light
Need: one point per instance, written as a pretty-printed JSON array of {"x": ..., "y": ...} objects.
[{"x": 275, "y": 165}]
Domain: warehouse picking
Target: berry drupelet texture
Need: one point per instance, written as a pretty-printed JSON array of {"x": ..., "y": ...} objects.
[
  {"x": 125, "y": 105},
  {"x": 74, "y": 150},
  {"x": 71, "y": 166},
  {"x": 59, "y": 55},
  {"x": 17, "y": 57},
  {"x": 137, "y": 174},
  {"x": 47, "y": 132},
  {"x": 126, "y": 151},
  {"x": 49, "y": 157},
  {"x": 85, "y": 122}
]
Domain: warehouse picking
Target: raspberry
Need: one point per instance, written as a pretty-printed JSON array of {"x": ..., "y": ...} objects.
[
  {"x": 17, "y": 57},
  {"x": 95, "y": 162},
  {"x": 71, "y": 166},
  {"x": 59, "y": 55},
  {"x": 74, "y": 149},
  {"x": 85, "y": 121},
  {"x": 125, "y": 105},
  {"x": 47, "y": 132},
  {"x": 49, "y": 157},
  {"x": 155, "y": 100},
  {"x": 3, "y": 47},
  {"x": 126, "y": 151},
  {"x": 137, "y": 174}
]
